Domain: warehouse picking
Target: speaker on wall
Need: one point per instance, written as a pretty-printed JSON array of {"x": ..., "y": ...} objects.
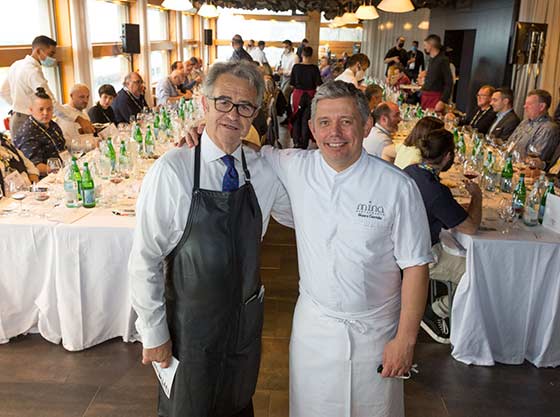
[
  {"x": 130, "y": 38},
  {"x": 208, "y": 37}
]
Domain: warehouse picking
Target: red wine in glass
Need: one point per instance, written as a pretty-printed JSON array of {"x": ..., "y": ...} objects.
[{"x": 471, "y": 175}]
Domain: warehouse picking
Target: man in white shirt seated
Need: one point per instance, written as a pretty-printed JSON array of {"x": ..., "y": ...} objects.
[
  {"x": 357, "y": 63},
  {"x": 76, "y": 139},
  {"x": 202, "y": 213},
  {"x": 387, "y": 117},
  {"x": 258, "y": 54},
  {"x": 359, "y": 223},
  {"x": 167, "y": 89}
]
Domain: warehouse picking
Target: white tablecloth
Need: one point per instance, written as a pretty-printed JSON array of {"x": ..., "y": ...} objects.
[
  {"x": 67, "y": 281},
  {"x": 507, "y": 306}
]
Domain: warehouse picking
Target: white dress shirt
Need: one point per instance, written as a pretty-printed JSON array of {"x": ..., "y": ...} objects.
[
  {"x": 71, "y": 131},
  {"x": 354, "y": 229},
  {"x": 258, "y": 55},
  {"x": 377, "y": 140},
  {"x": 348, "y": 76},
  {"x": 21, "y": 83},
  {"x": 162, "y": 211},
  {"x": 287, "y": 62}
]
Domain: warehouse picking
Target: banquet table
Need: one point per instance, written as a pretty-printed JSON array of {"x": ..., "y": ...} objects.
[{"x": 506, "y": 307}]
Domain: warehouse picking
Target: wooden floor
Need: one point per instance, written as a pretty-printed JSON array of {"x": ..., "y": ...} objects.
[{"x": 39, "y": 379}]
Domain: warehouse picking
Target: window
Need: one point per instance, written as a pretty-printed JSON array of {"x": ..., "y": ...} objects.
[
  {"x": 158, "y": 65},
  {"x": 272, "y": 54},
  {"x": 157, "y": 24},
  {"x": 341, "y": 34},
  {"x": 105, "y": 20},
  {"x": 23, "y": 20},
  {"x": 188, "y": 26},
  {"x": 109, "y": 70},
  {"x": 260, "y": 30}
]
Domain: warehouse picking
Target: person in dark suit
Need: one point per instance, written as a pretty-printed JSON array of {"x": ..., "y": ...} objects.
[
  {"x": 102, "y": 112},
  {"x": 415, "y": 62},
  {"x": 130, "y": 99},
  {"x": 506, "y": 119},
  {"x": 483, "y": 118}
]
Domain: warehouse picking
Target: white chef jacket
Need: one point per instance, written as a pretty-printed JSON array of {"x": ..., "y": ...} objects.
[
  {"x": 287, "y": 62},
  {"x": 258, "y": 55},
  {"x": 377, "y": 140},
  {"x": 71, "y": 130},
  {"x": 354, "y": 229},
  {"x": 21, "y": 83},
  {"x": 348, "y": 77},
  {"x": 161, "y": 216}
]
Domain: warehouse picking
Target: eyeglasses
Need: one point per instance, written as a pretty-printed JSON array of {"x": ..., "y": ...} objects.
[
  {"x": 225, "y": 105},
  {"x": 482, "y": 95}
]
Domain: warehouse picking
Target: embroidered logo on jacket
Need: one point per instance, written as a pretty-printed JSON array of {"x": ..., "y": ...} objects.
[{"x": 370, "y": 211}]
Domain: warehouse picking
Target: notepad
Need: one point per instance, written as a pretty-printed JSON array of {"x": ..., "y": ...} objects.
[
  {"x": 551, "y": 219},
  {"x": 166, "y": 375}
]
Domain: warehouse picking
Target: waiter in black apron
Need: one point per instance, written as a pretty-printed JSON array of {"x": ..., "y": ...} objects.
[{"x": 200, "y": 216}]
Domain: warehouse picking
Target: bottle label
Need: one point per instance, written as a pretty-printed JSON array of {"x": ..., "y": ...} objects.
[{"x": 88, "y": 197}]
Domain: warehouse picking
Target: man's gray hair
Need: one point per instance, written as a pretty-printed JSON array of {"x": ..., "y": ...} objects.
[
  {"x": 341, "y": 89},
  {"x": 240, "y": 69},
  {"x": 129, "y": 76}
]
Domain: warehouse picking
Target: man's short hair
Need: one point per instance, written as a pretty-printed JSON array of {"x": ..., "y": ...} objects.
[
  {"x": 304, "y": 40},
  {"x": 261, "y": 43},
  {"x": 382, "y": 109},
  {"x": 193, "y": 60},
  {"x": 42, "y": 41},
  {"x": 506, "y": 93},
  {"x": 107, "y": 89},
  {"x": 307, "y": 51},
  {"x": 77, "y": 87},
  {"x": 488, "y": 87},
  {"x": 373, "y": 90},
  {"x": 237, "y": 37},
  {"x": 435, "y": 145},
  {"x": 237, "y": 42},
  {"x": 434, "y": 40},
  {"x": 415, "y": 43},
  {"x": 287, "y": 42},
  {"x": 241, "y": 69},
  {"x": 174, "y": 65},
  {"x": 543, "y": 95},
  {"x": 361, "y": 58},
  {"x": 128, "y": 76},
  {"x": 339, "y": 89}
]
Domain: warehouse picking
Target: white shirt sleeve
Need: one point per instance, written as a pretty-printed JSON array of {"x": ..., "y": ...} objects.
[
  {"x": 282, "y": 209},
  {"x": 37, "y": 79},
  {"x": 158, "y": 230},
  {"x": 5, "y": 93},
  {"x": 411, "y": 233}
]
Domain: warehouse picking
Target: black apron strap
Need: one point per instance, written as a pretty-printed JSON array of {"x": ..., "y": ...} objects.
[
  {"x": 245, "y": 169},
  {"x": 196, "y": 183}
]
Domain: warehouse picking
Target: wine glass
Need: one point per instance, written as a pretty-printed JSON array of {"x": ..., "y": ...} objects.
[
  {"x": 507, "y": 214},
  {"x": 17, "y": 192},
  {"x": 53, "y": 165},
  {"x": 470, "y": 169}
]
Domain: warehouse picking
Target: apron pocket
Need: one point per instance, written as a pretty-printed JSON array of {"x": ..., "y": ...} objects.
[{"x": 250, "y": 321}]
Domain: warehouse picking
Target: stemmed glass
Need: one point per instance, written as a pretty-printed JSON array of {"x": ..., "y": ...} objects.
[
  {"x": 507, "y": 214},
  {"x": 470, "y": 169},
  {"x": 17, "y": 192},
  {"x": 54, "y": 165}
]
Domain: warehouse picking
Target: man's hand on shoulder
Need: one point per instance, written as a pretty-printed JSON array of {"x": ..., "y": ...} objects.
[
  {"x": 161, "y": 354},
  {"x": 192, "y": 136}
]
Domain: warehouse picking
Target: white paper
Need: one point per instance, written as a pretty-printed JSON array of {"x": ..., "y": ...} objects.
[
  {"x": 551, "y": 219},
  {"x": 166, "y": 375}
]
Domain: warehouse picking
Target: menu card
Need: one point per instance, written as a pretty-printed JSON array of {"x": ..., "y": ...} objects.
[{"x": 551, "y": 219}]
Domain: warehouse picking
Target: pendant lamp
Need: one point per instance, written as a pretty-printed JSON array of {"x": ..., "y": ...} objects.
[
  {"x": 367, "y": 12},
  {"x": 349, "y": 18},
  {"x": 396, "y": 6},
  {"x": 179, "y": 5},
  {"x": 208, "y": 10}
]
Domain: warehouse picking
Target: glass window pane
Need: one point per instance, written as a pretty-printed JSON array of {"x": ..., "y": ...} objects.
[
  {"x": 109, "y": 70},
  {"x": 188, "y": 23},
  {"x": 341, "y": 34},
  {"x": 158, "y": 65},
  {"x": 191, "y": 51},
  {"x": 105, "y": 20},
  {"x": 272, "y": 54},
  {"x": 157, "y": 24},
  {"x": 23, "y": 20},
  {"x": 260, "y": 30}
]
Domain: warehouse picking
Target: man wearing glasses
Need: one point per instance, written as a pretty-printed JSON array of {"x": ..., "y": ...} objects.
[
  {"x": 484, "y": 116},
  {"x": 194, "y": 265},
  {"x": 130, "y": 99}
]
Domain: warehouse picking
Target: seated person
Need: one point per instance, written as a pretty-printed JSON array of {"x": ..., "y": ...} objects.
[
  {"x": 408, "y": 152},
  {"x": 484, "y": 116},
  {"x": 130, "y": 99},
  {"x": 13, "y": 160},
  {"x": 102, "y": 112},
  {"x": 374, "y": 95},
  {"x": 396, "y": 76},
  {"x": 354, "y": 65},
  {"x": 72, "y": 132},
  {"x": 438, "y": 152},
  {"x": 538, "y": 131},
  {"x": 379, "y": 142},
  {"x": 167, "y": 90},
  {"x": 506, "y": 119},
  {"x": 325, "y": 69},
  {"x": 40, "y": 138}
]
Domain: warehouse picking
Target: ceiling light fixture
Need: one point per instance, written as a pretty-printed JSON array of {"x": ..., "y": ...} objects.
[
  {"x": 208, "y": 10},
  {"x": 179, "y": 5},
  {"x": 367, "y": 12},
  {"x": 396, "y": 6}
]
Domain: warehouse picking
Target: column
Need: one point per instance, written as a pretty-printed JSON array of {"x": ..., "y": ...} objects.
[{"x": 81, "y": 46}]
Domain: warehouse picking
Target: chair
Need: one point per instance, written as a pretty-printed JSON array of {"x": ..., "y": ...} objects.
[{"x": 273, "y": 132}]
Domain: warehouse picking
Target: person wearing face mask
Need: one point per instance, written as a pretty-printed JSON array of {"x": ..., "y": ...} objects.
[
  {"x": 397, "y": 54},
  {"x": 444, "y": 212},
  {"x": 287, "y": 62},
  {"x": 356, "y": 64},
  {"x": 102, "y": 112},
  {"x": 415, "y": 62},
  {"x": 130, "y": 99},
  {"x": 25, "y": 76}
]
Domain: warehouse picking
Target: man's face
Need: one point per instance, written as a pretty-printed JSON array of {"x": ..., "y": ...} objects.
[
  {"x": 47, "y": 51},
  {"x": 227, "y": 129},
  {"x": 497, "y": 102},
  {"x": 287, "y": 48},
  {"x": 392, "y": 120},
  {"x": 339, "y": 131},
  {"x": 105, "y": 100},
  {"x": 251, "y": 45},
  {"x": 176, "y": 78},
  {"x": 188, "y": 66},
  {"x": 533, "y": 107},
  {"x": 400, "y": 42},
  {"x": 483, "y": 98},
  {"x": 42, "y": 110},
  {"x": 180, "y": 66},
  {"x": 427, "y": 47},
  {"x": 135, "y": 84},
  {"x": 80, "y": 98}
]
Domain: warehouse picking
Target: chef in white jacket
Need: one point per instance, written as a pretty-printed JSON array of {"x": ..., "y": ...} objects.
[{"x": 359, "y": 221}]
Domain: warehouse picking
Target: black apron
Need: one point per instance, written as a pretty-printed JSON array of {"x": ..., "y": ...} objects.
[{"x": 214, "y": 310}]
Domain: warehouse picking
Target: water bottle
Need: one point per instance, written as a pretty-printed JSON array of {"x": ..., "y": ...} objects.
[{"x": 70, "y": 188}]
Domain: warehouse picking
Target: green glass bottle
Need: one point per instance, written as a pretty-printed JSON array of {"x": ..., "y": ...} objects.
[
  {"x": 149, "y": 141},
  {"x": 156, "y": 121},
  {"x": 519, "y": 195},
  {"x": 507, "y": 175},
  {"x": 123, "y": 157},
  {"x": 138, "y": 134},
  {"x": 456, "y": 135},
  {"x": 88, "y": 188},
  {"x": 111, "y": 154},
  {"x": 542, "y": 208},
  {"x": 77, "y": 177},
  {"x": 461, "y": 146}
]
